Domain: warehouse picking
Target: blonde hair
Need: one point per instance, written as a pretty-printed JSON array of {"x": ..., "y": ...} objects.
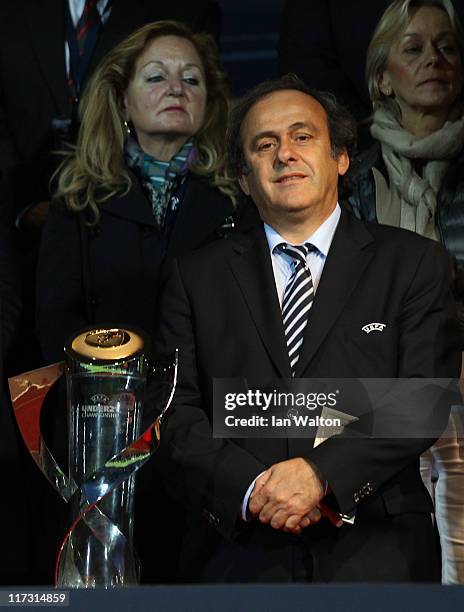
[
  {"x": 392, "y": 23},
  {"x": 94, "y": 170}
]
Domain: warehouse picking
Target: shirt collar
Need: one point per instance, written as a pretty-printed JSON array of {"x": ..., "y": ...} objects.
[
  {"x": 76, "y": 8},
  {"x": 321, "y": 238}
]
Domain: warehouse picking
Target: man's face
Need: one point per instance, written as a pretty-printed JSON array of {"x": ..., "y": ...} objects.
[{"x": 290, "y": 166}]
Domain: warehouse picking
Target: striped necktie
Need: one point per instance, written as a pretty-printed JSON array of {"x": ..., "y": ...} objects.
[
  {"x": 89, "y": 19},
  {"x": 81, "y": 40},
  {"x": 297, "y": 300}
]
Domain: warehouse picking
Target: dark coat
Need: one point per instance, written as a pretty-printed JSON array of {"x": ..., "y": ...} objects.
[
  {"x": 111, "y": 272},
  {"x": 33, "y": 80},
  {"x": 221, "y": 308}
]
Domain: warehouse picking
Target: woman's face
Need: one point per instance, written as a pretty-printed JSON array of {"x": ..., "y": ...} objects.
[
  {"x": 424, "y": 70},
  {"x": 166, "y": 98}
]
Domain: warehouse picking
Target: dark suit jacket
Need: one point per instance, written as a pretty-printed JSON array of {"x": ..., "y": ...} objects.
[
  {"x": 220, "y": 307},
  {"x": 325, "y": 43},
  {"x": 32, "y": 80},
  {"x": 111, "y": 273}
]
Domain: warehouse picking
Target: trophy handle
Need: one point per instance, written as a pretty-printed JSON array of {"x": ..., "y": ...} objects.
[
  {"x": 28, "y": 392},
  {"x": 158, "y": 370}
]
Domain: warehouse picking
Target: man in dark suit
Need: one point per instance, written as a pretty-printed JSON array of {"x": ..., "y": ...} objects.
[{"x": 359, "y": 302}]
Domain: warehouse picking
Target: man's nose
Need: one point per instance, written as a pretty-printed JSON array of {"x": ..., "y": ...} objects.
[{"x": 286, "y": 152}]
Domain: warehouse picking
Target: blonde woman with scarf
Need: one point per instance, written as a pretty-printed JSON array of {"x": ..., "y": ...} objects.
[{"x": 413, "y": 177}]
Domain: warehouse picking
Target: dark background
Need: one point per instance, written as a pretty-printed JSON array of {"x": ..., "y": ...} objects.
[{"x": 249, "y": 41}]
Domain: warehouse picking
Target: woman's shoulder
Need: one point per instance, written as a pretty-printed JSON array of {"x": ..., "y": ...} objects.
[
  {"x": 105, "y": 201},
  {"x": 60, "y": 213}
]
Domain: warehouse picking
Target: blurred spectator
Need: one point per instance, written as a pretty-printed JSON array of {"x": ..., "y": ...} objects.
[{"x": 413, "y": 178}]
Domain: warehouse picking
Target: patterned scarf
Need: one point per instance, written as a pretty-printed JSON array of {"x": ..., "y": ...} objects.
[
  {"x": 160, "y": 179},
  {"x": 417, "y": 193}
]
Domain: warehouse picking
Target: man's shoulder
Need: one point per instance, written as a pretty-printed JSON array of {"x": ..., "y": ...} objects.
[
  {"x": 397, "y": 248},
  {"x": 389, "y": 235},
  {"x": 404, "y": 239}
]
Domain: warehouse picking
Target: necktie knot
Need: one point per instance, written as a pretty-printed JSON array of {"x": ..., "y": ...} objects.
[{"x": 298, "y": 252}]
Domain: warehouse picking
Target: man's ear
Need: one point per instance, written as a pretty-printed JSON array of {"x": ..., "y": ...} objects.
[
  {"x": 243, "y": 182},
  {"x": 343, "y": 162}
]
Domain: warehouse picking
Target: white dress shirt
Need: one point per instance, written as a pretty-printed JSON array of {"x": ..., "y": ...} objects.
[{"x": 282, "y": 266}]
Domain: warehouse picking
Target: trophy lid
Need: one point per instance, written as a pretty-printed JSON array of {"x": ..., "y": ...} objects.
[{"x": 106, "y": 344}]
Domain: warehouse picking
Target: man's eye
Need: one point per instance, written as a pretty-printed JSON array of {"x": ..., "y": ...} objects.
[
  {"x": 412, "y": 50},
  {"x": 191, "y": 80},
  {"x": 155, "y": 78},
  {"x": 265, "y": 146},
  {"x": 303, "y": 137}
]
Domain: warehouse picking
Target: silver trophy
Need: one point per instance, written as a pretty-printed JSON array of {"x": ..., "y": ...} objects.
[{"x": 106, "y": 374}]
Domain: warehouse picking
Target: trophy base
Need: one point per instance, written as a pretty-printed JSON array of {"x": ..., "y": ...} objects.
[{"x": 96, "y": 554}]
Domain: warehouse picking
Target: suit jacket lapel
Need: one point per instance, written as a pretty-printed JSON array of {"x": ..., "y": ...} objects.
[
  {"x": 45, "y": 19},
  {"x": 252, "y": 268},
  {"x": 349, "y": 254}
]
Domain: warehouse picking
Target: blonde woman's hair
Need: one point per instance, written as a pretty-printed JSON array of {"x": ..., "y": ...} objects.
[
  {"x": 392, "y": 23},
  {"x": 94, "y": 170}
]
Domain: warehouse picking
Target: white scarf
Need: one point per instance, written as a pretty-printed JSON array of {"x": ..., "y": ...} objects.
[{"x": 417, "y": 194}]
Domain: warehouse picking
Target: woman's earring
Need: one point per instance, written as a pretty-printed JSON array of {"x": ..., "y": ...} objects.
[
  {"x": 387, "y": 91},
  {"x": 127, "y": 128}
]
